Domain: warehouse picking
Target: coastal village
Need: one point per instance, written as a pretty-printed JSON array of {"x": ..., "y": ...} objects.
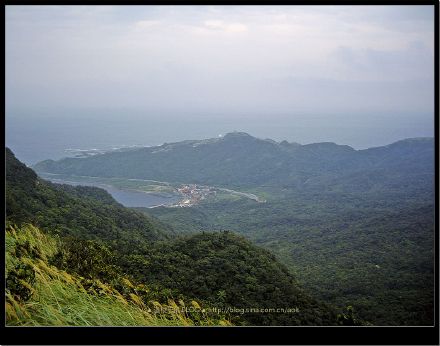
[{"x": 193, "y": 194}]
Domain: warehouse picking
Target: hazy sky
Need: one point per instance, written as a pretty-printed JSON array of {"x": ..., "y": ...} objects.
[
  {"x": 332, "y": 70},
  {"x": 237, "y": 58}
]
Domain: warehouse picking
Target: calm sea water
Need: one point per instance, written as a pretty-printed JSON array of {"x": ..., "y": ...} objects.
[{"x": 36, "y": 136}]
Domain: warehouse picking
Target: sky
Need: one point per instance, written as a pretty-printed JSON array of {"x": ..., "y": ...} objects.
[{"x": 314, "y": 65}]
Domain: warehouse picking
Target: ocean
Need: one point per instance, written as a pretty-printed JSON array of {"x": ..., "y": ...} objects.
[{"x": 36, "y": 136}]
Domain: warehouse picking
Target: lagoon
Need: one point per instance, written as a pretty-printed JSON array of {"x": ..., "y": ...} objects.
[{"x": 127, "y": 197}]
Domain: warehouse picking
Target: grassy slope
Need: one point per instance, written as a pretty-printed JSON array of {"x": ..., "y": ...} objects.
[{"x": 59, "y": 298}]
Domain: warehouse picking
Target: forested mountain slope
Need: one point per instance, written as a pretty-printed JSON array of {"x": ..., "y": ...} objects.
[
  {"x": 343, "y": 214},
  {"x": 240, "y": 160},
  {"x": 99, "y": 240},
  {"x": 85, "y": 212},
  {"x": 377, "y": 257},
  {"x": 44, "y": 290}
]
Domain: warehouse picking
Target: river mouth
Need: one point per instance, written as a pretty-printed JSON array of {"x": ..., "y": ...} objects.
[{"x": 127, "y": 197}]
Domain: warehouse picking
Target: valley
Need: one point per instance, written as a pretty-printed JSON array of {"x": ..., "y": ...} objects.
[
  {"x": 78, "y": 244},
  {"x": 355, "y": 227}
]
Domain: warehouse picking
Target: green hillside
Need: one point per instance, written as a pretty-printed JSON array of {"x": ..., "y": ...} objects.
[
  {"x": 85, "y": 212},
  {"x": 41, "y": 294},
  {"x": 356, "y": 227},
  {"x": 240, "y": 160},
  {"x": 376, "y": 255},
  {"x": 101, "y": 244}
]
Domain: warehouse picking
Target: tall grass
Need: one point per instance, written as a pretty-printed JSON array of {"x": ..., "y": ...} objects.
[{"x": 59, "y": 298}]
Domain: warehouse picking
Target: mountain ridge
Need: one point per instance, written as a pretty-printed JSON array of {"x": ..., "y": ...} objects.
[{"x": 240, "y": 160}]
